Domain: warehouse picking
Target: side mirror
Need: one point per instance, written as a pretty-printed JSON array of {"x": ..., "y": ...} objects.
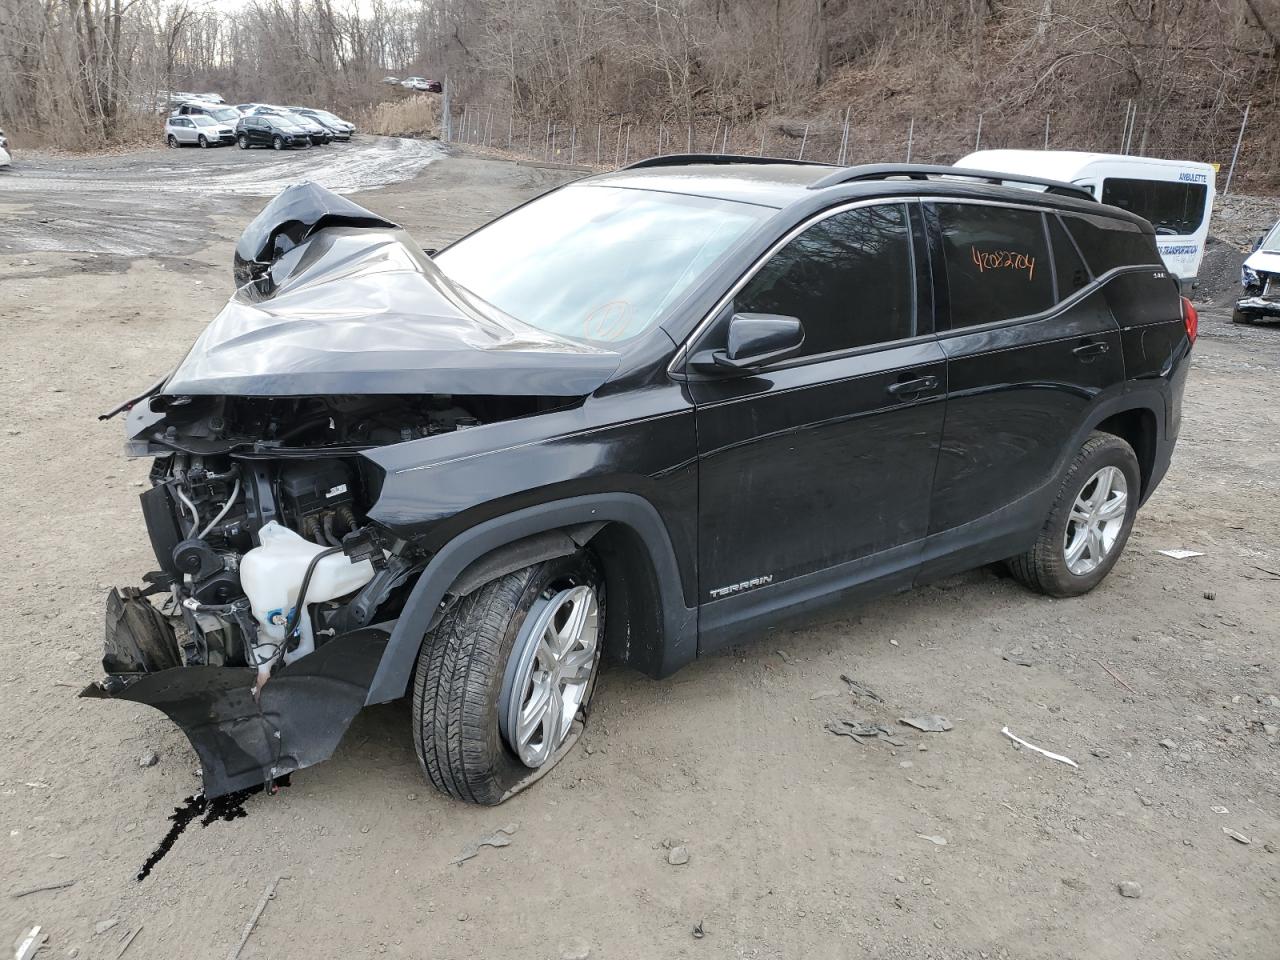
[
  {"x": 754, "y": 339},
  {"x": 1258, "y": 244}
]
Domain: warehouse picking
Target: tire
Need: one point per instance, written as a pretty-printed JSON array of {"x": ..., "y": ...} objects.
[
  {"x": 1046, "y": 567},
  {"x": 243, "y": 142},
  {"x": 172, "y": 141},
  {"x": 468, "y": 659},
  {"x": 277, "y": 143},
  {"x": 1239, "y": 316},
  {"x": 204, "y": 144}
]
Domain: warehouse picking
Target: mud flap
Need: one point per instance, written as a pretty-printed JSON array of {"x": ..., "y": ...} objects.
[{"x": 302, "y": 715}]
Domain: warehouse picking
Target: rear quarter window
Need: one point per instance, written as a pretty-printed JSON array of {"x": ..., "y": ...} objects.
[{"x": 1108, "y": 243}]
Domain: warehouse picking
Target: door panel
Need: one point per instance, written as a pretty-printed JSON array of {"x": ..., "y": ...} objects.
[{"x": 811, "y": 466}]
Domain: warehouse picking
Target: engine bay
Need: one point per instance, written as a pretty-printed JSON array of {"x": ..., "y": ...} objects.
[{"x": 258, "y": 516}]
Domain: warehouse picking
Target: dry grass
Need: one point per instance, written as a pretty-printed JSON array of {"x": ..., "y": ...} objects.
[{"x": 414, "y": 116}]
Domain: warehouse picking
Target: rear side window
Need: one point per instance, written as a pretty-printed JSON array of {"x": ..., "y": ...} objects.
[
  {"x": 1174, "y": 208},
  {"x": 997, "y": 261},
  {"x": 1108, "y": 243},
  {"x": 848, "y": 279}
]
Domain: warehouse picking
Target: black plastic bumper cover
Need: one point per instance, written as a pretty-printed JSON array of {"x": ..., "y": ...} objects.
[{"x": 301, "y": 716}]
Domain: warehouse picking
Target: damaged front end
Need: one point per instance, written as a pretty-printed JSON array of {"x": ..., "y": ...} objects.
[{"x": 261, "y": 630}]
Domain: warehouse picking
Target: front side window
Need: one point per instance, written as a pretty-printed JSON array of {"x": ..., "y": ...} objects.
[
  {"x": 1174, "y": 208},
  {"x": 1271, "y": 242},
  {"x": 596, "y": 262},
  {"x": 847, "y": 279},
  {"x": 997, "y": 262}
]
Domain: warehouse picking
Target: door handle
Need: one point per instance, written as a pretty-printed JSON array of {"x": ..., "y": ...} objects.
[
  {"x": 905, "y": 388},
  {"x": 1091, "y": 349}
]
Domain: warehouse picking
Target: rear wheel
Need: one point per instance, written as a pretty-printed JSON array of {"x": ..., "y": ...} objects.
[
  {"x": 1089, "y": 523},
  {"x": 172, "y": 141},
  {"x": 501, "y": 679},
  {"x": 277, "y": 143},
  {"x": 1239, "y": 316},
  {"x": 243, "y": 141}
]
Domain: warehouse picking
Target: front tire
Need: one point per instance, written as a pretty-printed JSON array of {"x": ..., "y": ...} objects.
[
  {"x": 204, "y": 144},
  {"x": 277, "y": 143},
  {"x": 502, "y": 677},
  {"x": 1239, "y": 316},
  {"x": 1089, "y": 523}
]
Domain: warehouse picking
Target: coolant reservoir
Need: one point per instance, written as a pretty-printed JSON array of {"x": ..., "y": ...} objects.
[{"x": 271, "y": 576}]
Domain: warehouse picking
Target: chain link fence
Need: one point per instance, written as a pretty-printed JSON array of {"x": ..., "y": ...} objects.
[{"x": 843, "y": 140}]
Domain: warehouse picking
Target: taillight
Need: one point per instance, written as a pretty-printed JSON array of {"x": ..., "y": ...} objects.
[{"x": 1191, "y": 319}]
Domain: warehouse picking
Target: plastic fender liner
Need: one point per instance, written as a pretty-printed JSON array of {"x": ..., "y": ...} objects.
[
  {"x": 679, "y": 623},
  {"x": 303, "y": 713}
]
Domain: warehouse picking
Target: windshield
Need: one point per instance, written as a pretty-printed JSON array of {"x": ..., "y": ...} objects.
[
  {"x": 597, "y": 263},
  {"x": 1271, "y": 244},
  {"x": 203, "y": 121},
  {"x": 225, "y": 114},
  {"x": 326, "y": 116}
]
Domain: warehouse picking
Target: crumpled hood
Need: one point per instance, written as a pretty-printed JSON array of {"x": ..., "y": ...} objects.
[
  {"x": 1264, "y": 262},
  {"x": 361, "y": 310}
]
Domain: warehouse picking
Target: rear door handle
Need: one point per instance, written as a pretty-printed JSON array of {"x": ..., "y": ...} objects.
[
  {"x": 906, "y": 388},
  {"x": 1087, "y": 351}
]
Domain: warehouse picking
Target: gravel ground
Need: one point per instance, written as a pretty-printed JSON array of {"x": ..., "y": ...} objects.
[{"x": 1161, "y": 685}]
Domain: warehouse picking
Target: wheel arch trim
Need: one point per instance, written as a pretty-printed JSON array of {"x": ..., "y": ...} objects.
[{"x": 475, "y": 545}]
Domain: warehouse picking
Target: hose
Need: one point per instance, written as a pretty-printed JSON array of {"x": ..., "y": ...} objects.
[
  {"x": 292, "y": 623},
  {"x": 195, "y": 514},
  {"x": 235, "y": 492}
]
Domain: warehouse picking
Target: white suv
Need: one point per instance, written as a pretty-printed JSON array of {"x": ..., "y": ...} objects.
[{"x": 198, "y": 129}]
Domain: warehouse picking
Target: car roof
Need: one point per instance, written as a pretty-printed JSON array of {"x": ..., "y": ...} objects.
[{"x": 779, "y": 183}]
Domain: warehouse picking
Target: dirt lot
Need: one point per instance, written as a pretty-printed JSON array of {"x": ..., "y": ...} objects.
[{"x": 1162, "y": 685}]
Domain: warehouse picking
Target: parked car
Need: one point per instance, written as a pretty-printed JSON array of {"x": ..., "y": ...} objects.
[
  {"x": 391, "y": 81},
  {"x": 338, "y": 128},
  {"x": 6, "y": 157},
  {"x": 198, "y": 130},
  {"x": 223, "y": 114},
  {"x": 1176, "y": 196},
  {"x": 210, "y": 97},
  {"x": 702, "y": 396},
  {"x": 315, "y": 130},
  {"x": 423, "y": 85},
  {"x": 1260, "y": 277},
  {"x": 270, "y": 131}
]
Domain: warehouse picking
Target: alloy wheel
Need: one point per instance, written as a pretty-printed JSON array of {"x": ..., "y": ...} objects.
[
  {"x": 172, "y": 141},
  {"x": 549, "y": 674},
  {"x": 1095, "y": 521}
]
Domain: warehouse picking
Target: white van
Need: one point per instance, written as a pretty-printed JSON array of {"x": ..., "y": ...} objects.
[{"x": 1175, "y": 195}]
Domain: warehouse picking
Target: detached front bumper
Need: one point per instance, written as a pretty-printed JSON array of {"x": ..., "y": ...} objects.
[
  {"x": 1258, "y": 308},
  {"x": 297, "y": 721}
]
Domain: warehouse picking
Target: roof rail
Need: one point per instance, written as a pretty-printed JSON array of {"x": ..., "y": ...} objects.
[
  {"x": 682, "y": 159},
  {"x": 924, "y": 171}
]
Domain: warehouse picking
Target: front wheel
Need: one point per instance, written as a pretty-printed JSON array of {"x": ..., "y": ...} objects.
[
  {"x": 502, "y": 678},
  {"x": 203, "y": 142},
  {"x": 1089, "y": 523},
  {"x": 277, "y": 143}
]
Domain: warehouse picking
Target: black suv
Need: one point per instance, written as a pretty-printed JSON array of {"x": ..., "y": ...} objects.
[
  {"x": 267, "y": 131},
  {"x": 646, "y": 415}
]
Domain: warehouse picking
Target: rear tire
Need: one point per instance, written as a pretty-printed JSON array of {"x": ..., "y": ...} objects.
[
  {"x": 486, "y": 645},
  {"x": 1239, "y": 316},
  {"x": 172, "y": 141},
  {"x": 243, "y": 142},
  {"x": 1085, "y": 534}
]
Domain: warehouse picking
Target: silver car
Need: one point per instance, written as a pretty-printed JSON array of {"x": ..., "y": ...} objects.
[{"x": 198, "y": 129}]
